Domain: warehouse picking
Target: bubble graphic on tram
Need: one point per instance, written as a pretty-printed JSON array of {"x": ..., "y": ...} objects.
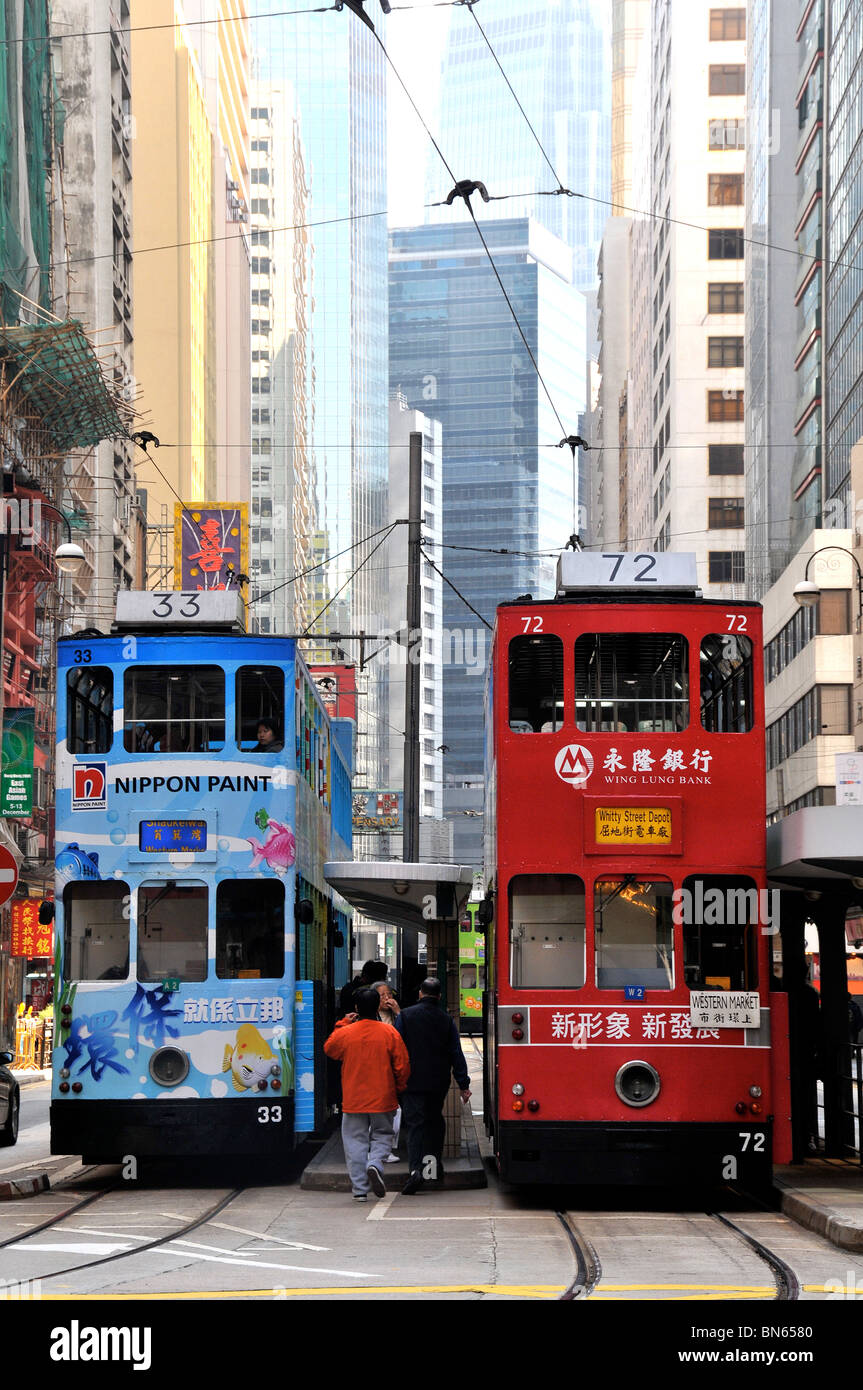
[
  {"x": 250, "y": 1060},
  {"x": 278, "y": 848}
]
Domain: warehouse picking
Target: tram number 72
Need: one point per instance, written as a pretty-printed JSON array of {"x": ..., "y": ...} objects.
[
  {"x": 758, "y": 1141},
  {"x": 269, "y": 1114}
]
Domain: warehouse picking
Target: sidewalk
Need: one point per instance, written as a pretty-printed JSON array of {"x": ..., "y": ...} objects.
[
  {"x": 327, "y": 1172},
  {"x": 826, "y": 1196},
  {"x": 26, "y": 1078}
]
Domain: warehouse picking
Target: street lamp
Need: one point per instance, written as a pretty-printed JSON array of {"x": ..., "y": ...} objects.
[
  {"x": 69, "y": 556},
  {"x": 807, "y": 592}
]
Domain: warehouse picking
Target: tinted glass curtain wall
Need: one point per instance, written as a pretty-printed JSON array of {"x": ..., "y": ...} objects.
[{"x": 456, "y": 354}]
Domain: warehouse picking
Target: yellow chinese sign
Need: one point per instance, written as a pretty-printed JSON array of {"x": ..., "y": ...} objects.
[{"x": 633, "y": 825}]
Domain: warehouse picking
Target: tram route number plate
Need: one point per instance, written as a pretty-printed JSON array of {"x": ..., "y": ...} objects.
[
  {"x": 724, "y": 1008},
  {"x": 633, "y": 825}
]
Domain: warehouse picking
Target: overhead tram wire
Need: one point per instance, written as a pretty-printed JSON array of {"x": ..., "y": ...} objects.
[
  {"x": 364, "y": 540},
  {"x": 314, "y": 635},
  {"x": 456, "y": 591}
]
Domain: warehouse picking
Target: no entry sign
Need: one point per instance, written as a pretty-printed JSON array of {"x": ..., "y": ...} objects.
[{"x": 8, "y": 874}]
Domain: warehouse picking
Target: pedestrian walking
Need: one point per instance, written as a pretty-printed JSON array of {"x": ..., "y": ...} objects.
[
  {"x": 375, "y": 1068},
  {"x": 372, "y": 971},
  {"x": 388, "y": 1012},
  {"x": 435, "y": 1054}
]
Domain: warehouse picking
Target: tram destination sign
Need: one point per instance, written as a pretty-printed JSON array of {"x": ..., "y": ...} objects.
[
  {"x": 726, "y": 1008},
  {"x": 633, "y": 825},
  {"x": 642, "y": 572},
  {"x": 172, "y": 836},
  {"x": 220, "y": 608}
]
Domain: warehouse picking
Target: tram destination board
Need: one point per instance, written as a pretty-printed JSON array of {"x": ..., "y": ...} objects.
[
  {"x": 172, "y": 836},
  {"x": 633, "y": 825}
]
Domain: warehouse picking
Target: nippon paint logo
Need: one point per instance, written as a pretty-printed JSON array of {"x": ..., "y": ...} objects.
[
  {"x": 574, "y": 764},
  {"x": 90, "y": 787},
  {"x": 77, "y": 1343}
]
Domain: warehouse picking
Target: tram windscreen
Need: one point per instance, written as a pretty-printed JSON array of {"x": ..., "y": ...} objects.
[
  {"x": 720, "y": 915},
  {"x": 89, "y": 709},
  {"x": 536, "y": 684},
  {"x": 250, "y": 929},
  {"x": 260, "y": 697},
  {"x": 96, "y": 931},
  {"x": 171, "y": 710},
  {"x": 633, "y": 933},
  {"x": 546, "y": 931},
  {"x": 172, "y": 931},
  {"x": 631, "y": 682},
  {"x": 726, "y": 684}
]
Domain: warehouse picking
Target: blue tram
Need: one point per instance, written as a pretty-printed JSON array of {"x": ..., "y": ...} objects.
[{"x": 201, "y": 786}]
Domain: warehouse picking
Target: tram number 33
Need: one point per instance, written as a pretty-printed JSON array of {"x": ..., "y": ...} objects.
[{"x": 269, "y": 1114}]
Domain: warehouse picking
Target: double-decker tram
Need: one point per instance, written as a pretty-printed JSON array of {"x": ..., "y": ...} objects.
[
  {"x": 471, "y": 970},
  {"x": 632, "y": 1034},
  {"x": 201, "y": 787}
]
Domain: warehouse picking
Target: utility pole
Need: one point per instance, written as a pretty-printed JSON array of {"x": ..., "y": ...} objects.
[{"x": 411, "y": 833}]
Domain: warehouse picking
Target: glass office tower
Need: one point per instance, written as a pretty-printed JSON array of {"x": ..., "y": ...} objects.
[
  {"x": 456, "y": 354},
  {"x": 337, "y": 71},
  {"x": 557, "y": 55}
]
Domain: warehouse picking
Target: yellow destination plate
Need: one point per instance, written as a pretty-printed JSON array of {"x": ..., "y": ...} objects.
[{"x": 633, "y": 825}]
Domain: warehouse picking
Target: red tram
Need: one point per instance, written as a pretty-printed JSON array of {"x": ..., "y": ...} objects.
[{"x": 631, "y": 1031}]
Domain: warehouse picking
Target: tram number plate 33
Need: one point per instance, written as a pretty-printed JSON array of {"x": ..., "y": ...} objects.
[{"x": 269, "y": 1114}]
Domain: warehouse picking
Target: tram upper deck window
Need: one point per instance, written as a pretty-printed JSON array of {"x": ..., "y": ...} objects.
[
  {"x": 726, "y": 684},
  {"x": 250, "y": 929},
  {"x": 96, "y": 930},
  {"x": 631, "y": 682},
  {"x": 546, "y": 931},
  {"x": 167, "y": 710},
  {"x": 172, "y": 931},
  {"x": 720, "y": 915},
  {"x": 536, "y": 684},
  {"x": 634, "y": 933},
  {"x": 260, "y": 709},
  {"x": 89, "y": 709}
]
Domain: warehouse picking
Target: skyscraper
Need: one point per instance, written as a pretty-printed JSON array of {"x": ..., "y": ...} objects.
[
  {"x": 336, "y": 69},
  {"x": 557, "y": 56},
  {"x": 456, "y": 354}
]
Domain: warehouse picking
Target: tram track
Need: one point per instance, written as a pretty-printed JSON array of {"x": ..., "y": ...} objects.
[
  {"x": 588, "y": 1267},
  {"x": 787, "y": 1283}
]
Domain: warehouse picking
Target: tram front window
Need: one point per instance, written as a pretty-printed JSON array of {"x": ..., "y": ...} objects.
[
  {"x": 634, "y": 933},
  {"x": 260, "y": 706},
  {"x": 250, "y": 930},
  {"x": 546, "y": 931},
  {"x": 89, "y": 709},
  {"x": 96, "y": 931},
  {"x": 631, "y": 682},
  {"x": 720, "y": 916},
  {"x": 536, "y": 684},
  {"x": 172, "y": 931},
  {"x": 167, "y": 710},
  {"x": 727, "y": 699}
]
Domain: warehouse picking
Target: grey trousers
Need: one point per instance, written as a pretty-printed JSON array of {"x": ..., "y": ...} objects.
[{"x": 366, "y": 1139}]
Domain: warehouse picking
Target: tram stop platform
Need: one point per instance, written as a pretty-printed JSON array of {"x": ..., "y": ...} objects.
[
  {"x": 327, "y": 1171},
  {"x": 824, "y": 1195}
]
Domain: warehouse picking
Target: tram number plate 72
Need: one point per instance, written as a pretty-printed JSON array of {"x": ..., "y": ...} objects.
[
  {"x": 269, "y": 1114},
  {"x": 757, "y": 1141}
]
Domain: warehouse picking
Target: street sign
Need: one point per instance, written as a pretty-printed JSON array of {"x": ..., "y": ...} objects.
[{"x": 8, "y": 875}]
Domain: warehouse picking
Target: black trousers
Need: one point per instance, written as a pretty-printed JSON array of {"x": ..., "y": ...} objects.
[{"x": 425, "y": 1129}]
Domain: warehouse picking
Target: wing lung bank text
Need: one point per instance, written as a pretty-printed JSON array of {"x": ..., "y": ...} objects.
[{"x": 260, "y": 783}]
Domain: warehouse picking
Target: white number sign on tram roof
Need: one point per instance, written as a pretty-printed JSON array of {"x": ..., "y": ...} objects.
[{"x": 643, "y": 572}]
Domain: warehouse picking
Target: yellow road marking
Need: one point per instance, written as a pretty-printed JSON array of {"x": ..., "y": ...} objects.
[{"x": 522, "y": 1290}]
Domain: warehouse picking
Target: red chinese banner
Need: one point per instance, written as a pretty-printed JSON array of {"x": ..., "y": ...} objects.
[
  {"x": 30, "y": 937},
  {"x": 211, "y": 545}
]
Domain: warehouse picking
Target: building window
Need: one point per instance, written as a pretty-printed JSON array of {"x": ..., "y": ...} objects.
[
  {"x": 260, "y": 236},
  {"x": 725, "y": 244},
  {"x": 723, "y": 512},
  {"x": 260, "y": 265},
  {"x": 725, "y": 352},
  {"x": 724, "y": 458},
  {"x": 726, "y": 133},
  {"x": 727, "y": 79},
  {"x": 727, "y": 24},
  {"x": 260, "y": 175},
  {"x": 724, "y": 405},
  {"x": 726, "y": 567},
  {"x": 725, "y": 190},
  {"x": 725, "y": 297},
  {"x": 261, "y": 206}
]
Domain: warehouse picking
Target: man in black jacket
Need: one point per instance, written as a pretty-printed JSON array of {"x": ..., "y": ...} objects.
[{"x": 433, "y": 1045}]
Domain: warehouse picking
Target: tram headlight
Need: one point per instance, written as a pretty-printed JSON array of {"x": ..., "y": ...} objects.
[
  {"x": 518, "y": 1089},
  {"x": 169, "y": 1066},
  {"x": 637, "y": 1083},
  {"x": 755, "y": 1092}
]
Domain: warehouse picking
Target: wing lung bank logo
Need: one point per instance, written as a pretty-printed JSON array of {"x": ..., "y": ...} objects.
[
  {"x": 574, "y": 764},
  {"x": 90, "y": 787}
]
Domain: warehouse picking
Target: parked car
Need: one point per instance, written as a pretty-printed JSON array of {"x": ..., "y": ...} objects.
[{"x": 10, "y": 1101}]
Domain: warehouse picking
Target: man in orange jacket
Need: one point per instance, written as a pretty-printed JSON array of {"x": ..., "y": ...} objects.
[{"x": 375, "y": 1067}]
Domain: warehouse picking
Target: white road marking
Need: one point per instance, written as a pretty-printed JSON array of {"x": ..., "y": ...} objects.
[
  {"x": 382, "y": 1207},
  {"x": 259, "y": 1264},
  {"x": 72, "y": 1248},
  {"x": 258, "y": 1235}
]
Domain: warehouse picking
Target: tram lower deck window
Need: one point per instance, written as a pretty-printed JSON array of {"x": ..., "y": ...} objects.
[
  {"x": 174, "y": 710},
  {"x": 250, "y": 930},
  {"x": 634, "y": 933},
  {"x": 720, "y": 915},
  {"x": 172, "y": 931},
  {"x": 546, "y": 931},
  {"x": 631, "y": 682},
  {"x": 96, "y": 931}
]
